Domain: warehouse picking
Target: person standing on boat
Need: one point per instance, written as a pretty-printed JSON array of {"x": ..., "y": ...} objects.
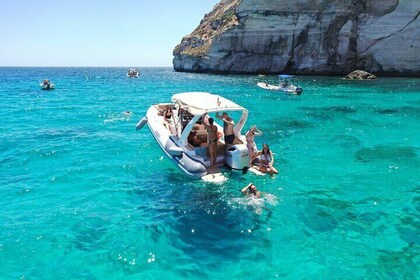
[
  {"x": 212, "y": 138},
  {"x": 228, "y": 124},
  {"x": 250, "y": 142},
  {"x": 266, "y": 161}
]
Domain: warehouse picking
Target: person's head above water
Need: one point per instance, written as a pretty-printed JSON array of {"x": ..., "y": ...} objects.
[{"x": 252, "y": 188}]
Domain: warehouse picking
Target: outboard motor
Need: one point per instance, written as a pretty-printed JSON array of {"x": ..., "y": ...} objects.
[
  {"x": 237, "y": 157},
  {"x": 298, "y": 90}
]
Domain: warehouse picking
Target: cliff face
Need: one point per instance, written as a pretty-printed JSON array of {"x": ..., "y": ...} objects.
[{"x": 305, "y": 37}]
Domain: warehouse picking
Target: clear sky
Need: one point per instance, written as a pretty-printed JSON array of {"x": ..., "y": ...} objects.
[{"x": 95, "y": 32}]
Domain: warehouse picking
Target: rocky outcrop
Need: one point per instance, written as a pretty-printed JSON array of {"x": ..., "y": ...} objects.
[
  {"x": 305, "y": 37},
  {"x": 360, "y": 75}
]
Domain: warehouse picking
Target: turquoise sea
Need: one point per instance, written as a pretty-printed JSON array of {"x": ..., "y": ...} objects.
[{"x": 86, "y": 196}]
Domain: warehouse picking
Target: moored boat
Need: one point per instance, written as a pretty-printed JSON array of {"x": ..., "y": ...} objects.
[
  {"x": 284, "y": 85},
  {"x": 132, "y": 73},
  {"x": 47, "y": 85},
  {"x": 189, "y": 113}
]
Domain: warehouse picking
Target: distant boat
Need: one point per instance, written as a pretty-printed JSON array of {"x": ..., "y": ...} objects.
[
  {"x": 47, "y": 85},
  {"x": 284, "y": 85},
  {"x": 132, "y": 73}
]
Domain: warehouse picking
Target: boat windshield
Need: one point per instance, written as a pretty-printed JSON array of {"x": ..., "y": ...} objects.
[{"x": 284, "y": 80}]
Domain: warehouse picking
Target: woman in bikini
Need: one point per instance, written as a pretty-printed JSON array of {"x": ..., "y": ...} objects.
[
  {"x": 266, "y": 161},
  {"x": 213, "y": 137},
  {"x": 167, "y": 118},
  {"x": 250, "y": 142},
  {"x": 168, "y": 113}
]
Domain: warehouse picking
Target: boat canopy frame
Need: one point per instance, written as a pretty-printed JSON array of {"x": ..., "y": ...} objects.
[{"x": 200, "y": 103}]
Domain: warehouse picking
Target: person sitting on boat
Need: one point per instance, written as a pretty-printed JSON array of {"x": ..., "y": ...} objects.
[
  {"x": 212, "y": 138},
  {"x": 266, "y": 161},
  {"x": 46, "y": 84},
  {"x": 168, "y": 113},
  {"x": 250, "y": 142},
  {"x": 167, "y": 118},
  {"x": 251, "y": 189},
  {"x": 228, "y": 124},
  {"x": 284, "y": 84},
  {"x": 193, "y": 140}
]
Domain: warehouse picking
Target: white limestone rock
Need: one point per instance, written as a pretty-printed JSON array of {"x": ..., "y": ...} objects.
[{"x": 305, "y": 37}]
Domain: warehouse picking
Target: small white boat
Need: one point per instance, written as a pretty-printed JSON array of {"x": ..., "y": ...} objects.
[
  {"x": 47, "y": 85},
  {"x": 188, "y": 110},
  {"x": 284, "y": 85},
  {"x": 132, "y": 73}
]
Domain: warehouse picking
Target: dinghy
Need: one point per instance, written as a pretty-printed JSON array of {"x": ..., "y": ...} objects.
[
  {"x": 284, "y": 85},
  {"x": 47, "y": 85},
  {"x": 189, "y": 111},
  {"x": 132, "y": 73}
]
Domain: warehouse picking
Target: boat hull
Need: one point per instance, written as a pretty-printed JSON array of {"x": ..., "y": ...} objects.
[
  {"x": 51, "y": 87},
  {"x": 185, "y": 161},
  {"x": 288, "y": 89}
]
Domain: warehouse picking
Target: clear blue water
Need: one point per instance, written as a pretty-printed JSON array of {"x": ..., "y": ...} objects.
[{"x": 86, "y": 196}]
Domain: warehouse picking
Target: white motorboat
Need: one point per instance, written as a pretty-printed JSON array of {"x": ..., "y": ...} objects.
[
  {"x": 284, "y": 85},
  {"x": 188, "y": 113},
  {"x": 132, "y": 73},
  {"x": 47, "y": 85}
]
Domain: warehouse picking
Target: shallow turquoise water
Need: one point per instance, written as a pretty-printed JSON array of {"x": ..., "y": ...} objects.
[{"x": 86, "y": 196}]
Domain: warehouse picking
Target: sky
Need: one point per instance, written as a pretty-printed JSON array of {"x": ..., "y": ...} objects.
[{"x": 127, "y": 33}]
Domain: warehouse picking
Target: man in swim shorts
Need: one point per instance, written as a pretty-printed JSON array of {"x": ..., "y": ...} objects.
[{"x": 228, "y": 124}]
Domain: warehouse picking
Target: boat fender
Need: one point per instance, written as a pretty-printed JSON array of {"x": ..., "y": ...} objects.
[
  {"x": 175, "y": 151},
  {"x": 141, "y": 123}
]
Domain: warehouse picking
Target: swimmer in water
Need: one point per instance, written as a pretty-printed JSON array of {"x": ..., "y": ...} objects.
[{"x": 251, "y": 189}]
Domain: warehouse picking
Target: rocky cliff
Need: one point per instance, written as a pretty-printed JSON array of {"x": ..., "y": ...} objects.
[{"x": 305, "y": 37}]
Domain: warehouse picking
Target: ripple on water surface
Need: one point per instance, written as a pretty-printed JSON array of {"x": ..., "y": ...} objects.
[{"x": 86, "y": 196}]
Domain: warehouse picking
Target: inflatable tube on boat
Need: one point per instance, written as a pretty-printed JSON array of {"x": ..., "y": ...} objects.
[
  {"x": 188, "y": 164},
  {"x": 141, "y": 123}
]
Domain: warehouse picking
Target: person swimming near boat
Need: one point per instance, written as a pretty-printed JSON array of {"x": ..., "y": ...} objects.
[
  {"x": 228, "y": 124},
  {"x": 250, "y": 142},
  {"x": 251, "y": 189},
  {"x": 212, "y": 138},
  {"x": 266, "y": 160}
]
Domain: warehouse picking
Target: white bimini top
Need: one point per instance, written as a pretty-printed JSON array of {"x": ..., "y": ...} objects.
[{"x": 198, "y": 103}]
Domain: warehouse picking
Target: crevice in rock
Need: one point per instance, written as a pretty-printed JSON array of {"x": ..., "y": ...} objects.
[{"x": 392, "y": 34}]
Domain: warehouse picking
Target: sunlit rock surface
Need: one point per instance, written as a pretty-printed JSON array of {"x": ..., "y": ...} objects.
[{"x": 305, "y": 37}]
